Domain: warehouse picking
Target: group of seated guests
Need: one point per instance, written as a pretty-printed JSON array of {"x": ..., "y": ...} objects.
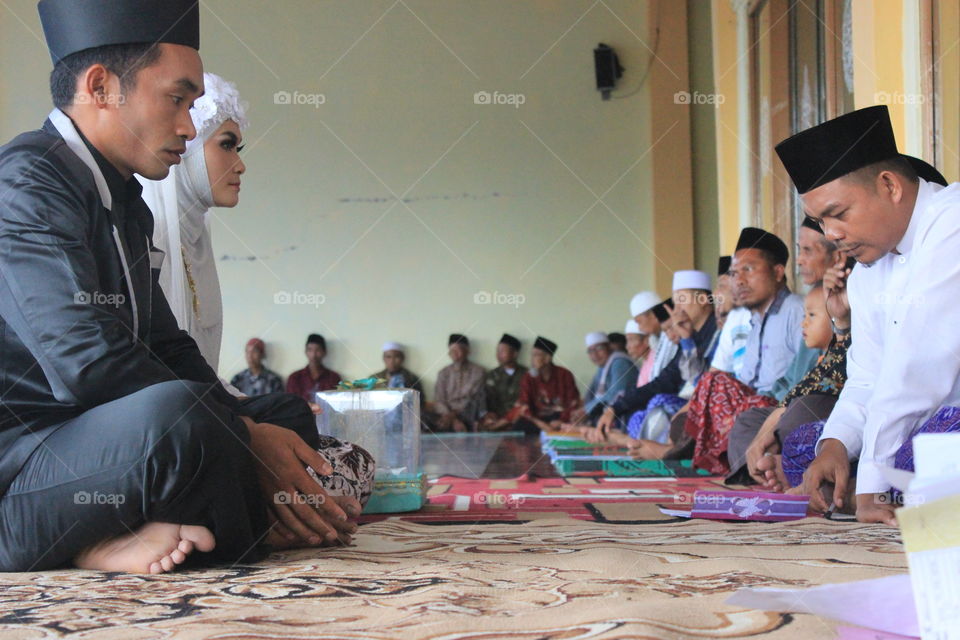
[
  {"x": 701, "y": 374},
  {"x": 467, "y": 397},
  {"x": 746, "y": 377}
]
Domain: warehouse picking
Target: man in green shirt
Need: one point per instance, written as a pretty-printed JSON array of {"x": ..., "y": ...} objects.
[{"x": 502, "y": 384}]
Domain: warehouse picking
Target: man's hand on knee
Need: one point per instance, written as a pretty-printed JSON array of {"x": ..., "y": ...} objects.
[
  {"x": 830, "y": 466},
  {"x": 295, "y": 499}
]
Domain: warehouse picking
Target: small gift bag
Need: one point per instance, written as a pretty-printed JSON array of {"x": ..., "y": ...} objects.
[{"x": 385, "y": 422}]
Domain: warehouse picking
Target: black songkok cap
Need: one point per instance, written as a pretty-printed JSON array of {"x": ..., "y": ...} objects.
[
  {"x": 510, "y": 341},
  {"x": 809, "y": 223},
  {"x": 615, "y": 337},
  {"x": 724, "y": 265},
  {"x": 458, "y": 338},
  {"x": 831, "y": 150},
  {"x": 545, "y": 345},
  {"x": 661, "y": 311},
  {"x": 753, "y": 238},
  {"x": 316, "y": 338},
  {"x": 71, "y": 26}
]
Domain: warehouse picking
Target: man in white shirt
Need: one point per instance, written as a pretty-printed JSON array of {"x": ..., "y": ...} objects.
[{"x": 904, "y": 362}]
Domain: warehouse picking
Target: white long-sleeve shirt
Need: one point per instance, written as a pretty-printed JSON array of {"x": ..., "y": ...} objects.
[
  {"x": 904, "y": 360},
  {"x": 733, "y": 341}
]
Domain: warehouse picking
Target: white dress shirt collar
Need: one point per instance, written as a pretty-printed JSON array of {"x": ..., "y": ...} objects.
[{"x": 925, "y": 190}]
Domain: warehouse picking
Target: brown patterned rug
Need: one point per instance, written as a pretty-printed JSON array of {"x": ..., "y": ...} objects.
[{"x": 551, "y": 577}]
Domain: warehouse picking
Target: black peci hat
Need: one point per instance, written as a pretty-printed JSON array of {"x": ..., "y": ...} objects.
[
  {"x": 543, "y": 344},
  {"x": 71, "y": 26},
  {"x": 753, "y": 238},
  {"x": 831, "y": 150}
]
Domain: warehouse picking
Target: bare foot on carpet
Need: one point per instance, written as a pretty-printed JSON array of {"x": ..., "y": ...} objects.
[
  {"x": 771, "y": 466},
  {"x": 157, "y": 547}
]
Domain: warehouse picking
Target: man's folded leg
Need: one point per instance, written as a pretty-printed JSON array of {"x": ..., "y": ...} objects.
[
  {"x": 167, "y": 453},
  {"x": 745, "y": 429}
]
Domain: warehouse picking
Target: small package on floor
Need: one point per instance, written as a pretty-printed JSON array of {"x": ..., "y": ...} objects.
[
  {"x": 743, "y": 505},
  {"x": 385, "y": 422}
]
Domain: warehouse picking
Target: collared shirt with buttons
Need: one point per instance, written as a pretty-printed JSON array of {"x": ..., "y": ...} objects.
[
  {"x": 775, "y": 338},
  {"x": 904, "y": 362}
]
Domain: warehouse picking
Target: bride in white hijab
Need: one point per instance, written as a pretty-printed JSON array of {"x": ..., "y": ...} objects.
[{"x": 208, "y": 176}]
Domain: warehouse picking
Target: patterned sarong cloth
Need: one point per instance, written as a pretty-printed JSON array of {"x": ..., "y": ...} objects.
[
  {"x": 353, "y": 469},
  {"x": 669, "y": 402},
  {"x": 718, "y": 400},
  {"x": 800, "y": 447}
]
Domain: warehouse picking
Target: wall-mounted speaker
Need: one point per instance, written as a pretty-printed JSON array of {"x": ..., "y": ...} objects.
[{"x": 607, "y": 67}]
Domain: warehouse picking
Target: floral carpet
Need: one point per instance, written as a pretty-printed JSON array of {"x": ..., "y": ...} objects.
[{"x": 544, "y": 575}]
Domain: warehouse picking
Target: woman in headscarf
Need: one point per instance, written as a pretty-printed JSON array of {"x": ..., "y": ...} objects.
[{"x": 208, "y": 176}]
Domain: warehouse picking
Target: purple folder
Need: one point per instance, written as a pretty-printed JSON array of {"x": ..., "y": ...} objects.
[{"x": 749, "y": 505}]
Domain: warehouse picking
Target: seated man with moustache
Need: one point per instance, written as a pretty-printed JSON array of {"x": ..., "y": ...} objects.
[{"x": 548, "y": 393}]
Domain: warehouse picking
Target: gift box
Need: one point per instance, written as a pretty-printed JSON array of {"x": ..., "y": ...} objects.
[{"x": 385, "y": 422}]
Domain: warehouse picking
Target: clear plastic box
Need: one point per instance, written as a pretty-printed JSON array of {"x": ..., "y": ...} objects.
[{"x": 385, "y": 422}]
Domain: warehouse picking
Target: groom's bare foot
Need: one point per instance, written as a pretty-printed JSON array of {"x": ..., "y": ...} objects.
[{"x": 156, "y": 547}]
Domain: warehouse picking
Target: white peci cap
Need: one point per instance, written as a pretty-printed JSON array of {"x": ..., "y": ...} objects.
[
  {"x": 633, "y": 327},
  {"x": 643, "y": 301},
  {"x": 691, "y": 280},
  {"x": 596, "y": 337},
  {"x": 392, "y": 346}
]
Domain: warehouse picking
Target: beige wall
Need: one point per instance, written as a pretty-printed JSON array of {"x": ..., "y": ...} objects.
[{"x": 501, "y": 199}]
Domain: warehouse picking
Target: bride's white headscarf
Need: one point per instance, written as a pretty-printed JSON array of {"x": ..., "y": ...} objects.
[{"x": 180, "y": 203}]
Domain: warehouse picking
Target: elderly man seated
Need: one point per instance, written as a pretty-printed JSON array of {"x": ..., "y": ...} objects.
[
  {"x": 638, "y": 344},
  {"x": 460, "y": 397},
  {"x": 615, "y": 374}
]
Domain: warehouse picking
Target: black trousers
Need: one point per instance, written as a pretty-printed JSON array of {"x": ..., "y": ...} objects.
[{"x": 168, "y": 453}]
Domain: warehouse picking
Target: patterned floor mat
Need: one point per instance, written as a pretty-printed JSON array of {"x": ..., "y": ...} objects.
[{"x": 546, "y": 579}]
